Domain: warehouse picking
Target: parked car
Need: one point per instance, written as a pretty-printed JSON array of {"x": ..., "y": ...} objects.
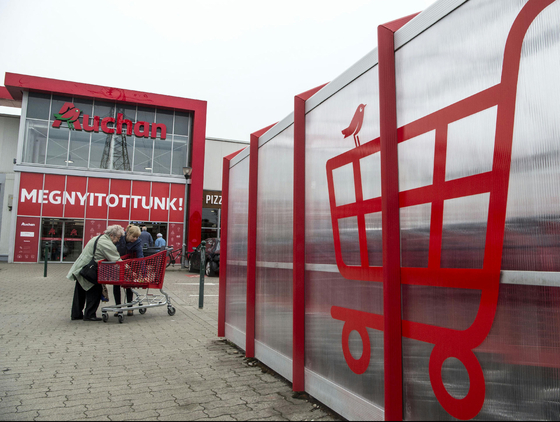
[{"x": 212, "y": 256}]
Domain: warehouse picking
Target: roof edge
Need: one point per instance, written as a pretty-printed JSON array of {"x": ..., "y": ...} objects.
[{"x": 16, "y": 83}]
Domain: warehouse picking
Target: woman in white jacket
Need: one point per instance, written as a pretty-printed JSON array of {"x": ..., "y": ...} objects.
[{"x": 86, "y": 293}]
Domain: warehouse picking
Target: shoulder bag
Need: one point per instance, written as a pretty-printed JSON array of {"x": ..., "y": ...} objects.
[{"x": 89, "y": 271}]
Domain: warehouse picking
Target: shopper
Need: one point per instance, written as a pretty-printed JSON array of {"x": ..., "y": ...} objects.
[
  {"x": 146, "y": 238},
  {"x": 86, "y": 293},
  {"x": 130, "y": 244},
  {"x": 160, "y": 241}
]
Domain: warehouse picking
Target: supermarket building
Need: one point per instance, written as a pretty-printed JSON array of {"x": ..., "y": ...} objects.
[{"x": 82, "y": 157}]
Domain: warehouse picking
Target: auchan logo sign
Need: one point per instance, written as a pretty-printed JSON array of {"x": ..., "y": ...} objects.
[{"x": 70, "y": 115}]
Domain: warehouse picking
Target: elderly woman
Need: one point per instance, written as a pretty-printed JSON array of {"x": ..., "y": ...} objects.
[
  {"x": 128, "y": 245},
  {"x": 86, "y": 293}
]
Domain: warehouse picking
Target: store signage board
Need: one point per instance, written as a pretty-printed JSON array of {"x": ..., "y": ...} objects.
[
  {"x": 27, "y": 239},
  {"x": 212, "y": 199},
  {"x": 99, "y": 198},
  {"x": 70, "y": 115}
]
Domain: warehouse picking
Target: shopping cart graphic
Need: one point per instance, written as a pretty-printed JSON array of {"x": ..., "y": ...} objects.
[{"x": 447, "y": 342}]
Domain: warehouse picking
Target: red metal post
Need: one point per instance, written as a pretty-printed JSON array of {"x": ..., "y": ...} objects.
[
  {"x": 252, "y": 242},
  {"x": 392, "y": 339},
  {"x": 298, "y": 361}
]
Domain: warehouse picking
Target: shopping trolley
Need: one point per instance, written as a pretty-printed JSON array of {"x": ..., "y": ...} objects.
[
  {"x": 447, "y": 342},
  {"x": 137, "y": 273}
]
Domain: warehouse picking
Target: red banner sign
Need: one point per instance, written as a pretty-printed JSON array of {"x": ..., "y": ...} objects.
[{"x": 100, "y": 199}]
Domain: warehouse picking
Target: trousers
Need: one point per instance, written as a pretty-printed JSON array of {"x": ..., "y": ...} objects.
[
  {"x": 117, "y": 294},
  {"x": 90, "y": 299}
]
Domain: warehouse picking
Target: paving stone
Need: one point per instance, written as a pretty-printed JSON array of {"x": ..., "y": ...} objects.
[
  {"x": 227, "y": 410},
  {"x": 151, "y": 367}
]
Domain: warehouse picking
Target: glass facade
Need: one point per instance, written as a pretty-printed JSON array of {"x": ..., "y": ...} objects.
[{"x": 88, "y": 146}]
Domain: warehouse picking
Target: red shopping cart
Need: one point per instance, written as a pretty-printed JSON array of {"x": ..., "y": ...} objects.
[
  {"x": 447, "y": 342},
  {"x": 137, "y": 273}
]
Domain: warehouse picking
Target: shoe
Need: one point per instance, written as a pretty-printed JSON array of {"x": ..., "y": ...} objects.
[
  {"x": 104, "y": 299},
  {"x": 76, "y": 318},
  {"x": 130, "y": 313},
  {"x": 93, "y": 319}
]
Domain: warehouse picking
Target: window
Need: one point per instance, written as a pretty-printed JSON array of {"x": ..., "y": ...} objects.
[{"x": 65, "y": 147}]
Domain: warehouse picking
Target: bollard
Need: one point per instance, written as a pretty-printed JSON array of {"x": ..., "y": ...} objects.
[
  {"x": 202, "y": 270},
  {"x": 47, "y": 251}
]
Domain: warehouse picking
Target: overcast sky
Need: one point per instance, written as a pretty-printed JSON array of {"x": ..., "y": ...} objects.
[{"x": 246, "y": 58}]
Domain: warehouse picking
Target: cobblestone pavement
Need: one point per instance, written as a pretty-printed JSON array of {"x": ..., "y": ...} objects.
[{"x": 151, "y": 367}]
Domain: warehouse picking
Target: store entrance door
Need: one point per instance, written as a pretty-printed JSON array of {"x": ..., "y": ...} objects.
[{"x": 66, "y": 239}]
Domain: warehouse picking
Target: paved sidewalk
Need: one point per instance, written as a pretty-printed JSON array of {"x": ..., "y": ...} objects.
[{"x": 151, "y": 367}]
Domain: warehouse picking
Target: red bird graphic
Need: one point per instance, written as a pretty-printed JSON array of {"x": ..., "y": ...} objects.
[{"x": 355, "y": 125}]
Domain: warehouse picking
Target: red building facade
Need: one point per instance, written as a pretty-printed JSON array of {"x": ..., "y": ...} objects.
[{"x": 92, "y": 156}]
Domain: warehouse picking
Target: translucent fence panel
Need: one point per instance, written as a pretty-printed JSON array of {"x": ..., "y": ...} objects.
[
  {"x": 238, "y": 214},
  {"x": 274, "y": 276},
  {"x": 462, "y": 353},
  {"x": 344, "y": 128}
]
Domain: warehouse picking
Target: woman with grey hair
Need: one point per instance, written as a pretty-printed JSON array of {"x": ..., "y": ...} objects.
[{"x": 86, "y": 293}]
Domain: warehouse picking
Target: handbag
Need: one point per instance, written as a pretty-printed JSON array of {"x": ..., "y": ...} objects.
[{"x": 89, "y": 271}]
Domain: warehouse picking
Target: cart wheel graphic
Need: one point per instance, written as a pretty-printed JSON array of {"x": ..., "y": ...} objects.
[
  {"x": 469, "y": 406},
  {"x": 358, "y": 366},
  {"x": 142, "y": 311},
  {"x": 171, "y": 311},
  {"x": 121, "y": 318}
]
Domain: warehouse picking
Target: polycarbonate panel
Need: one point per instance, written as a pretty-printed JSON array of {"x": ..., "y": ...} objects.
[
  {"x": 454, "y": 60},
  {"x": 343, "y": 179},
  {"x": 325, "y": 291},
  {"x": 374, "y": 235},
  {"x": 238, "y": 214},
  {"x": 370, "y": 167},
  {"x": 519, "y": 358},
  {"x": 415, "y": 235},
  {"x": 416, "y": 161},
  {"x": 274, "y": 292},
  {"x": 459, "y": 56},
  {"x": 470, "y": 144},
  {"x": 349, "y": 241},
  {"x": 464, "y": 231},
  {"x": 532, "y": 238}
]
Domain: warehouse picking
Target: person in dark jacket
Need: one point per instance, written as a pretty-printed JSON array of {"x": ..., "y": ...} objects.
[
  {"x": 130, "y": 244},
  {"x": 146, "y": 238}
]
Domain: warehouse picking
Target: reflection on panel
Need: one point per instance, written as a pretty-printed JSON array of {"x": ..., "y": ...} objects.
[
  {"x": 236, "y": 299},
  {"x": 275, "y": 243}
]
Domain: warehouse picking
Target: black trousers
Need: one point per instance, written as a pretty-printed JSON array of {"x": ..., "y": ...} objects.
[
  {"x": 117, "y": 294},
  {"x": 90, "y": 299}
]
